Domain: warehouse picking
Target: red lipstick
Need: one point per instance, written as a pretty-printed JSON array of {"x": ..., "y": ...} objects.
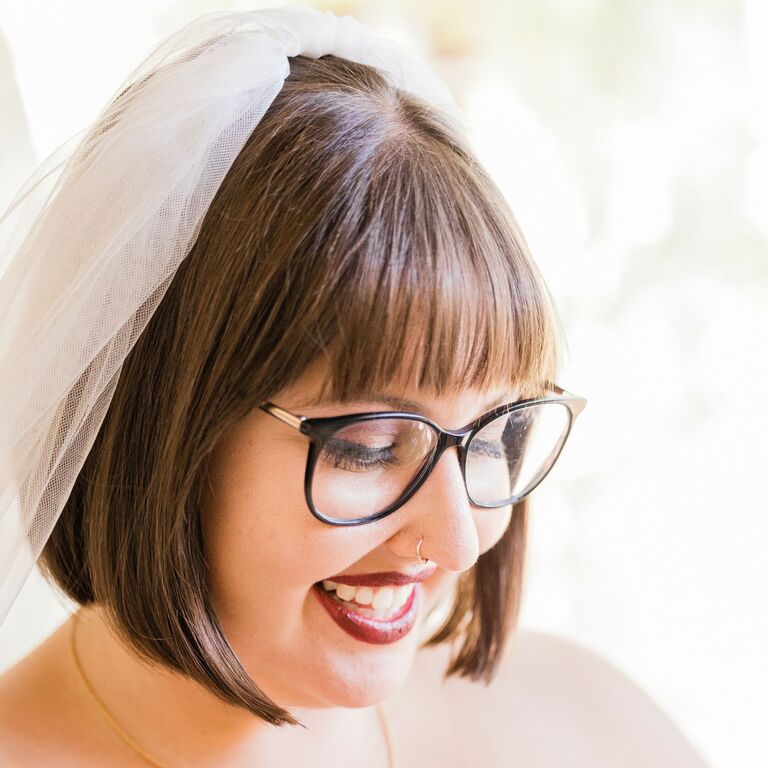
[
  {"x": 376, "y": 631},
  {"x": 383, "y": 579}
]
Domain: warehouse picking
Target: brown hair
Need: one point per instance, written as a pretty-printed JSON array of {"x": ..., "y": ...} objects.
[{"x": 355, "y": 224}]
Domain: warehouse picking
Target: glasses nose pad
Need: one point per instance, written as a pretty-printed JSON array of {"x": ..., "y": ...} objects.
[
  {"x": 430, "y": 446},
  {"x": 452, "y": 444},
  {"x": 460, "y": 443}
]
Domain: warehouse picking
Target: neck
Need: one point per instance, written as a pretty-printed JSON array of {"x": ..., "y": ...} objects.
[{"x": 174, "y": 719}]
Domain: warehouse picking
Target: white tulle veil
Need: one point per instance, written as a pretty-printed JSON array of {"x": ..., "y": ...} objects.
[{"x": 90, "y": 243}]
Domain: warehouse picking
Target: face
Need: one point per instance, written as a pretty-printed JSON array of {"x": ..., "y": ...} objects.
[{"x": 266, "y": 552}]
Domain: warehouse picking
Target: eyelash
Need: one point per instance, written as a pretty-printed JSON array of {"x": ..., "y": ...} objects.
[{"x": 354, "y": 456}]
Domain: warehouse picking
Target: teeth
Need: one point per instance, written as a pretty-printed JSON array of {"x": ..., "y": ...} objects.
[
  {"x": 344, "y": 592},
  {"x": 383, "y": 599},
  {"x": 363, "y": 595},
  {"x": 380, "y": 599}
]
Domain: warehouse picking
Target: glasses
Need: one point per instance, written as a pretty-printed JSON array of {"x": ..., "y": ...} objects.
[{"x": 363, "y": 466}]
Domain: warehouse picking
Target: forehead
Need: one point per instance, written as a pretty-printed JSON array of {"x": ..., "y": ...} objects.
[{"x": 311, "y": 393}]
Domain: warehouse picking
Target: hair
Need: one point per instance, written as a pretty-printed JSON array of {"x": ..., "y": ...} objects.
[{"x": 355, "y": 225}]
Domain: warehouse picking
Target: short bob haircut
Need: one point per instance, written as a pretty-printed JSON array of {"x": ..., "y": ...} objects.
[{"x": 355, "y": 224}]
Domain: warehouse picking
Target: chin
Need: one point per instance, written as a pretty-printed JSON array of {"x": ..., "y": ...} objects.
[
  {"x": 365, "y": 677},
  {"x": 362, "y": 692}
]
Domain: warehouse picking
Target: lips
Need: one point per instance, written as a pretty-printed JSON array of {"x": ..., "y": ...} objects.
[
  {"x": 375, "y": 631},
  {"x": 383, "y": 579}
]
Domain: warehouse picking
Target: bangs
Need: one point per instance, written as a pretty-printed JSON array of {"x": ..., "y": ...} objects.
[{"x": 434, "y": 288}]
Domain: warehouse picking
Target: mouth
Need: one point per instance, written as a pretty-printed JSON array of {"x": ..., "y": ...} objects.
[
  {"x": 378, "y": 616},
  {"x": 382, "y": 579}
]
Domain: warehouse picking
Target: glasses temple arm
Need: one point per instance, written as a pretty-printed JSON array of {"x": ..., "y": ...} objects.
[{"x": 285, "y": 416}]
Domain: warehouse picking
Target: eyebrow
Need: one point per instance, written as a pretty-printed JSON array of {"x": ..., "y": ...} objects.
[{"x": 401, "y": 404}]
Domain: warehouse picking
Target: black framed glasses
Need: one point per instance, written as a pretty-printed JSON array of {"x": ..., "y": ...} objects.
[{"x": 363, "y": 466}]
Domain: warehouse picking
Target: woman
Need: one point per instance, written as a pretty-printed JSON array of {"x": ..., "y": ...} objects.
[{"x": 272, "y": 527}]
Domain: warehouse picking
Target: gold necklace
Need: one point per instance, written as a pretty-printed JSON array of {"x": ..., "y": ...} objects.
[{"x": 136, "y": 748}]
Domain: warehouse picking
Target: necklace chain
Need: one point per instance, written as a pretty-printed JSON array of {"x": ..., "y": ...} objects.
[{"x": 136, "y": 748}]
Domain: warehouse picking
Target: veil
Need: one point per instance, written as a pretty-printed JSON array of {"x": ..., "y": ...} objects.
[{"x": 91, "y": 241}]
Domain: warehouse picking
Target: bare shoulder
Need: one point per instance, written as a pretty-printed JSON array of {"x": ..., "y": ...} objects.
[
  {"x": 22, "y": 708},
  {"x": 552, "y": 702},
  {"x": 39, "y": 721}
]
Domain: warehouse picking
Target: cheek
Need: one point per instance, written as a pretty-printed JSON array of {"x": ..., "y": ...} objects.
[
  {"x": 491, "y": 525},
  {"x": 261, "y": 540},
  {"x": 253, "y": 515}
]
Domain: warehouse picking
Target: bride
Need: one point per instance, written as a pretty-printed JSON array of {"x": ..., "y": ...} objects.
[{"x": 296, "y": 535}]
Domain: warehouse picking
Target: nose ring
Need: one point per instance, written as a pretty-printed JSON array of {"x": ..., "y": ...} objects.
[{"x": 418, "y": 551}]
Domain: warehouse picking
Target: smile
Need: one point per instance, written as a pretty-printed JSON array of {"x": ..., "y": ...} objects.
[
  {"x": 359, "y": 616},
  {"x": 371, "y": 602}
]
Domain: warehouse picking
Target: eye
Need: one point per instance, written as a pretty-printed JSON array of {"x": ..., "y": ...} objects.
[
  {"x": 346, "y": 454},
  {"x": 491, "y": 448}
]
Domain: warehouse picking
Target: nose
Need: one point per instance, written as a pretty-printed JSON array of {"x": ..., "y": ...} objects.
[{"x": 441, "y": 513}]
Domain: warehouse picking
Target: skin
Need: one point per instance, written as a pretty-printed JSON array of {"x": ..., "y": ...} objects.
[
  {"x": 265, "y": 551},
  {"x": 280, "y": 631},
  {"x": 552, "y": 702}
]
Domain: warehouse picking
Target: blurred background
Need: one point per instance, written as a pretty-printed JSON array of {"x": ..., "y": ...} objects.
[{"x": 631, "y": 140}]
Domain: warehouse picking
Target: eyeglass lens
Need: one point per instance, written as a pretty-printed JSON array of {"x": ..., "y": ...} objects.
[{"x": 364, "y": 467}]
